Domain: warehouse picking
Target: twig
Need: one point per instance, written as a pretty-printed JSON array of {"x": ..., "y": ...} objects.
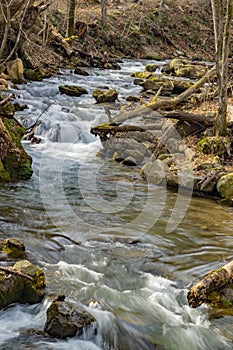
[
  {"x": 44, "y": 110},
  {"x": 7, "y": 270}
]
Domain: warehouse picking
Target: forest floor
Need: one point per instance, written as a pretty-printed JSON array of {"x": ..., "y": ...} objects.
[{"x": 182, "y": 28}]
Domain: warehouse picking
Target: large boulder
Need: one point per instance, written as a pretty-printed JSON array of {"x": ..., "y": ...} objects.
[
  {"x": 66, "y": 320},
  {"x": 225, "y": 186},
  {"x": 23, "y": 282},
  {"x": 15, "y": 70},
  {"x": 188, "y": 69}
]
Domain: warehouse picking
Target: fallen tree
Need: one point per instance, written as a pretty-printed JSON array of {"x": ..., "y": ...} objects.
[
  {"x": 165, "y": 104},
  {"x": 212, "y": 281}
]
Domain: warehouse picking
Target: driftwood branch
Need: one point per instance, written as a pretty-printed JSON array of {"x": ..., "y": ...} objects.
[
  {"x": 14, "y": 272},
  {"x": 212, "y": 281},
  {"x": 3, "y": 102}
]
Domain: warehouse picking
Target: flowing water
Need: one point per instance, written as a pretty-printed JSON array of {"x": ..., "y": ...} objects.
[{"x": 101, "y": 234}]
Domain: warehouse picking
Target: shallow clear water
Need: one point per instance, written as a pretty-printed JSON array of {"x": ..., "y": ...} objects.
[{"x": 101, "y": 234}]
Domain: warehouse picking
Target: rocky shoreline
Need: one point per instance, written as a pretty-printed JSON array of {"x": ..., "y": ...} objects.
[{"x": 172, "y": 147}]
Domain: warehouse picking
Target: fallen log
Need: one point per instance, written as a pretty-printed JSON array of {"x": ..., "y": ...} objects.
[
  {"x": 165, "y": 103},
  {"x": 59, "y": 38},
  {"x": 212, "y": 281},
  {"x": 205, "y": 120}
]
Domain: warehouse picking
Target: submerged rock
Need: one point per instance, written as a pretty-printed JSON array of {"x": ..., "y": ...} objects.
[{"x": 66, "y": 320}]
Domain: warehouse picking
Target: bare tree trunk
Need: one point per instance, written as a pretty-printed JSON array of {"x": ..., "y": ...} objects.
[
  {"x": 71, "y": 18},
  {"x": 222, "y": 16},
  {"x": 5, "y": 10},
  {"x": 221, "y": 120},
  {"x": 104, "y": 12}
]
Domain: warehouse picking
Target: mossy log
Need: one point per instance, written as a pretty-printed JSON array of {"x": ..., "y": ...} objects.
[
  {"x": 103, "y": 130},
  {"x": 212, "y": 281}
]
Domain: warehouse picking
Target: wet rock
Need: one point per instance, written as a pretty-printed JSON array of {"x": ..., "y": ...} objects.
[
  {"x": 133, "y": 99},
  {"x": 35, "y": 74},
  {"x": 13, "y": 248},
  {"x": 23, "y": 282},
  {"x": 102, "y": 96},
  {"x": 81, "y": 71},
  {"x": 225, "y": 186},
  {"x": 66, "y": 320},
  {"x": 125, "y": 148},
  {"x": 130, "y": 161},
  {"x": 72, "y": 90},
  {"x": 142, "y": 75},
  {"x": 155, "y": 172}
]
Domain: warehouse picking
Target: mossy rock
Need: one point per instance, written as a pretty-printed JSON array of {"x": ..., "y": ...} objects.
[
  {"x": 102, "y": 96},
  {"x": 15, "y": 162},
  {"x": 225, "y": 186},
  {"x": 212, "y": 145},
  {"x": 165, "y": 86},
  {"x": 25, "y": 285},
  {"x": 35, "y": 74},
  {"x": 72, "y": 90},
  {"x": 7, "y": 109},
  {"x": 152, "y": 67},
  {"x": 142, "y": 75},
  {"x": 13, "y": 248},
  {"x": 186, "y": 68}
]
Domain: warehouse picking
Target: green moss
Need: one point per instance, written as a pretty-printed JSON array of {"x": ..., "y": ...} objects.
[
  {"x": 142, "y": 75},
  {"x": 16, "y": 163},
  {"x": 211, "y": 145},
  {"x": 215, "y": 299},
  {"x": 14, "y": 248}
]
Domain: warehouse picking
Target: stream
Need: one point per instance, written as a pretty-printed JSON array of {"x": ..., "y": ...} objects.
[{"x": 101, "y": 234}]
